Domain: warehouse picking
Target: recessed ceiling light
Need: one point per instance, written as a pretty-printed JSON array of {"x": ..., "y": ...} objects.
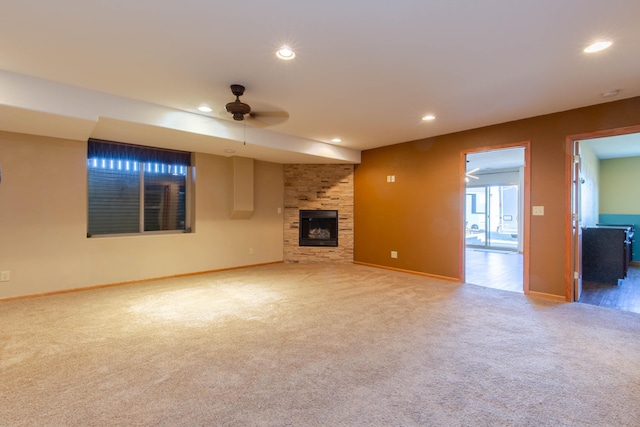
[
  {"x": 285, "y": 52},
  {"x": 336, "y": 140},
  {"x": 429, "y": 117},
  {"x": 205, "y": 109},
  {"x": 597, "y": 46}
]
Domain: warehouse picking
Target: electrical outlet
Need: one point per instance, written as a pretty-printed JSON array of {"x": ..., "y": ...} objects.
[
  {"x": 5, "y": 276},
  {"x": 394, "y": 254},
  {"x": 250, "y": 251}
]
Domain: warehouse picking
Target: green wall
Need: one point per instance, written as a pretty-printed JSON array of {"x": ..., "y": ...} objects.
[{"x": 620, "y": 186}]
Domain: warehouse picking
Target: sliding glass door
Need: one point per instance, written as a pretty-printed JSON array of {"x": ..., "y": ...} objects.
[{"x": 492, "y": 213}]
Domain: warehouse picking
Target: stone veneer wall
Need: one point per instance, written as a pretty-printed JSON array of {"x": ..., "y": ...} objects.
[{"x": 311, "y": 187}]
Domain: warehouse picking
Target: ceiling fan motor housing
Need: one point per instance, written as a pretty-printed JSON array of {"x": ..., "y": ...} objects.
[
  {"x": 237, "y": 90},
  {"x": 237, "y": 108}
]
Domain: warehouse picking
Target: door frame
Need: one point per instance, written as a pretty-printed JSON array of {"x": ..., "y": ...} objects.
[
  {"x": 526, "y": 211},
  {"x": 573, "y": 243}
]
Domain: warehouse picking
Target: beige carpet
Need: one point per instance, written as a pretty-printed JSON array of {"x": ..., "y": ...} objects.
[{"x": 315, "y": 345}]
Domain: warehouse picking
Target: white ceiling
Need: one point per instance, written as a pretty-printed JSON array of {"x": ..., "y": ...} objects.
[
  {"x": 505, "y": 158},
  {"x": 613, "y": 147},
  {"x": 365, "y": 71}
]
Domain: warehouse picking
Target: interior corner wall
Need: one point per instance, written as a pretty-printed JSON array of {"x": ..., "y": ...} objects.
[
  {"x": 620, "y": 195},
  {"x": 43, "y": 223},
  {"x": 419, "y": 216}
]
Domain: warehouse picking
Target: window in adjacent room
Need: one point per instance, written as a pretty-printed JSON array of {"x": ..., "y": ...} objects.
[{"x": 135, "y": 189}]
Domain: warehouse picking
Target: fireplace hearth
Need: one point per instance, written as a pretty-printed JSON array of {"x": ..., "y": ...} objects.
[{"x": 318, "y": 228}]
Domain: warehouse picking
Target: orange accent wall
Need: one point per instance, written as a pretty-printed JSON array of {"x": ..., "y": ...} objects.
[{"x": 419, "y": 214}]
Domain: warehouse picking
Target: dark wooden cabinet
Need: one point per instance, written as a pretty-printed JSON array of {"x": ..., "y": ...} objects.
[{"x": 606, "y": 254}]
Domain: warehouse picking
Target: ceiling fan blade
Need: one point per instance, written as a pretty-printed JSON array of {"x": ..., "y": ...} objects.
[
  {"x": 267, "y": 118},
  {"x": 269, "y": 114},
  {"x": 470, "y": 174},
  {"x": 243, "y": 112}
]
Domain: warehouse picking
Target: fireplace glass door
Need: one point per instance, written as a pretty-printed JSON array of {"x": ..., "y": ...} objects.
[{"x": 318, "y": 228}]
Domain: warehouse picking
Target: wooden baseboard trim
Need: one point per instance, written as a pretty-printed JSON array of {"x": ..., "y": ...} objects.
[
  {"x": 419, "y": 273},
  {"x": 110, "y": 285},
  {"x": 547, "y": 296}
]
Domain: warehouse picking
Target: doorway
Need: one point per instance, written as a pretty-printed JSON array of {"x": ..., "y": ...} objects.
[
  {"x": 603, "y": 162},
  {"x": 495, "y": 188}
]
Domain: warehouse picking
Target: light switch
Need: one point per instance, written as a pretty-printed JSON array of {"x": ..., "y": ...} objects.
[{"x": 537, "y": 210}]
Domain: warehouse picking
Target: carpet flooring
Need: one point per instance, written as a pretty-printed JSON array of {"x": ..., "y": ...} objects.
[{"x": 315, "y": 345}]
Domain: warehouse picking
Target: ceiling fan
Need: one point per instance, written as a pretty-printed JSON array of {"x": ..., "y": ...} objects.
[
  {"x": 241, "y": 111},
  {"x": 470, "y": 174}
]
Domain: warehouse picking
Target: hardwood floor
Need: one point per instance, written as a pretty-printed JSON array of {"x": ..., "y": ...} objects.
[
  {"x": 494, "y": 269},
  {"x": 625, "y": 296},
  {"x": 503, "y": 270}
]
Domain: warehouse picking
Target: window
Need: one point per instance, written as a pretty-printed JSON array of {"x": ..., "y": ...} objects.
[{"x": 135, "y": 189}]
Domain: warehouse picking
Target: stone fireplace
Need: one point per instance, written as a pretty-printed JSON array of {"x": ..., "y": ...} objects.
[{"x": 312, "y": 188}]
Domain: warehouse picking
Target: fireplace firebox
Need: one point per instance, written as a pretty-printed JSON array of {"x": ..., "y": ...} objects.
[{"x": 318, "y": 228}]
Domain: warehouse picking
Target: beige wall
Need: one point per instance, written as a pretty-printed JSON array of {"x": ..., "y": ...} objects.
[
  {"x": 43, "y": 227},
  {"x": 420, "y": 215},
  {"x": 620, "y": 186}
]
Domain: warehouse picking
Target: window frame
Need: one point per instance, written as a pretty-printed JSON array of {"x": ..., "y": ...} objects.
[{"x": 149, "y": 154}]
